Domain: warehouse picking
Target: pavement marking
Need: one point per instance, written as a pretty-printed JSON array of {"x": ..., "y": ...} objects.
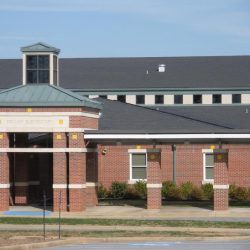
[{"x": 154, "y": 244}]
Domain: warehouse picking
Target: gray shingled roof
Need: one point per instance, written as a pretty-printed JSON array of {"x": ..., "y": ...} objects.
[
  {"x": 232, "y": 116},
  {"x": 118, "y": 117},
  {"x": 131, "y": 73}
]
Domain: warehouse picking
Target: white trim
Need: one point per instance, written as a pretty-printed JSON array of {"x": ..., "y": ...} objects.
[
  {"x": 48, "y": 130},
  {"x": 85, "y": 114},
  {"x": 216, "y": 186},
  {"x": 61, "y": 186},
  {"x": 77, "y": 186},
  {"x": 208, "y": 181},
  {"x": 207, "y": 151},
  {"x": 2, "y": 186},
  {"x": 47, "y": 150},
  {"x": 134, "y": 151},
  {"x": 167, "y": 136},
  {"x": 91, "y": 184},
  {"x": 154, "y": 185},
  {"x": 22, "y": 184}
]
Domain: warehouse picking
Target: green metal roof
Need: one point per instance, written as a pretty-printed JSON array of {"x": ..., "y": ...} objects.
[
  {"x": 43, "y": 95},
  {"x": 40, "y": 47}
]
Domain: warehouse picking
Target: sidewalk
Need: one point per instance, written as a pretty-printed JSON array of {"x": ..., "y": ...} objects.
[{"x": 173, "y": 212}]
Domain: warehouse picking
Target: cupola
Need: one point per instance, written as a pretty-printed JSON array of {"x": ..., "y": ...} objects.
[{"x": 40, "y": 64}]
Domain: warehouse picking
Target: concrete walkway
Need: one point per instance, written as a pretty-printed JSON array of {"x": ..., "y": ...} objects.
[{"x": 167, "y": 212}]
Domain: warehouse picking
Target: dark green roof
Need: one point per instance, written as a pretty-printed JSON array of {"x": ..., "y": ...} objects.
[
  {"x": 43, "y": 95},
  {"x": 40, "y": 47}
]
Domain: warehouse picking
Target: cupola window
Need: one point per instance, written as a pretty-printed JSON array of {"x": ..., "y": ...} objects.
[{"x": 37, "y": 69}]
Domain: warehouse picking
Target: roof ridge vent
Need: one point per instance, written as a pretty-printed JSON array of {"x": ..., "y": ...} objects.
[{"x": 161, "y": 67}]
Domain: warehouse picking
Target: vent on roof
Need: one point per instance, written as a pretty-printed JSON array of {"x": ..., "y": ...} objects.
[{"x": 161, "y": 68}]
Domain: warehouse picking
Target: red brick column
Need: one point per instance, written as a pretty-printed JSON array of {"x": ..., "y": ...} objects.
[
  {"x": 154, "y": 180},
  {"x": 21, "y": 172},
  {"x": 77, "y": 173},
  {"x": 221, "y": 185},
  {"x": 4, "y": 173},
  {"x": 59, "y": 172}
]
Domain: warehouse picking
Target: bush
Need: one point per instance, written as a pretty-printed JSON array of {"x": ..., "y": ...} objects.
[
  {"x": 241, "y": 194},
  {"x": 102, "y": 192},
  {"x": 186, "y": 190},
  {"x": 197, "y": 194},
  {"x": 131, "y": 193},
  {"x": 208, "y": 191},
  {"x": 141, "y": 189},
  {"x": 232, "y": 191},
  {"x": 170, "y": 191},
  {"x": 118, "y": 189}
]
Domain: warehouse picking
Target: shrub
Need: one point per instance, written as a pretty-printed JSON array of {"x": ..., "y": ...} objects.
[
  {"x": 186, "y": 190},
  {"x": 241, "y": 194},
  {"x": 102, "y": 192},
  {"x": 118, "y": 189},
  {"x": 232, "y": 191},
  {"x": 141, "y": 188},
  {"x": 170, "y": 191},
  {"x": 208, "y": 191},
  {"x": 131, "y": 193},
  {"x": 197, "y": 194}
]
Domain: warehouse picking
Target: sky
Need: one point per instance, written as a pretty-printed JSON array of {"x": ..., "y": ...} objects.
[{"x": 127, "y": 28}]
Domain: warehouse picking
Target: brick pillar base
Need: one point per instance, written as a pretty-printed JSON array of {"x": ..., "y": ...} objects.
[
  {"x": 91, "y": 197},
  {"x": 21, "y": 195},
  {"x": 220, "y": 199},
  {"x": 154, "y": 197},
  {"x": 77, "y": 174},
  {"x": 154, "y": 179},
  {"x": 220, "y": 179},
  {"x": 59, "y": 172},
  {"x": 77, "y": 199},
  {"x": 56, "y": 199},
  {"x": 4, "y": 199},
  {"x": 4, "y": 173}
]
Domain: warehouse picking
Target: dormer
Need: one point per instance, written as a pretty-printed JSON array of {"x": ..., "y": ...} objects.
[{"x": 40, "y": 64}]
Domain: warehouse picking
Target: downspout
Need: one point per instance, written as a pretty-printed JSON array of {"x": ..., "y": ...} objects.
[{"x": 174, "y": 163}]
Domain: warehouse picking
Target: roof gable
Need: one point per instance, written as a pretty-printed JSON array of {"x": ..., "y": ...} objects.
[
  {"x": 42, "y": 95},
  {"x": 40, "y": 47}
]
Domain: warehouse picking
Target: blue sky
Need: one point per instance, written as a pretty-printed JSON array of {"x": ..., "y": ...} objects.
[{"x": 118, "y": 28}]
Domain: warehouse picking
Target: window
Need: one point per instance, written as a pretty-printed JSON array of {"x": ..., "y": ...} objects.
[
  {"x": 236, "y": 98},
  {"x": 103, "y": 96},
  {"x": 138, "y": 162},
  {"x": 37, "y": 69},
  {"x": 140, "y": 99},
  {"x": 216, "y": 99},
  {"x": 208, "y": 166},
  {"x": 197, "y": 99},
  {"x": 159, "y": 99},
  {"x": 121, "y": 98},
  {"x": 178, "y": 99}
]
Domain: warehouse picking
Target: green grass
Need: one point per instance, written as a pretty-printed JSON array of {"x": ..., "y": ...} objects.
[{"x": 127, "y": 222}]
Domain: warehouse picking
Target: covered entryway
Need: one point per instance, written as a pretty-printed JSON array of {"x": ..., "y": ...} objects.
[{"x": 42, "y": 146}]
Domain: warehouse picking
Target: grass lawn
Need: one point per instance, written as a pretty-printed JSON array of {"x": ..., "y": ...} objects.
[{"x": 127, "y": 222}]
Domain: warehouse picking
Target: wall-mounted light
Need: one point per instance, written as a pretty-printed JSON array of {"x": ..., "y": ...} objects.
[{"x": 104, "y": 151}]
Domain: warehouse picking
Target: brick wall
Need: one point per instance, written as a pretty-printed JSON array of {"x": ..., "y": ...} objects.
[{"x": 114, "y": 165}]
